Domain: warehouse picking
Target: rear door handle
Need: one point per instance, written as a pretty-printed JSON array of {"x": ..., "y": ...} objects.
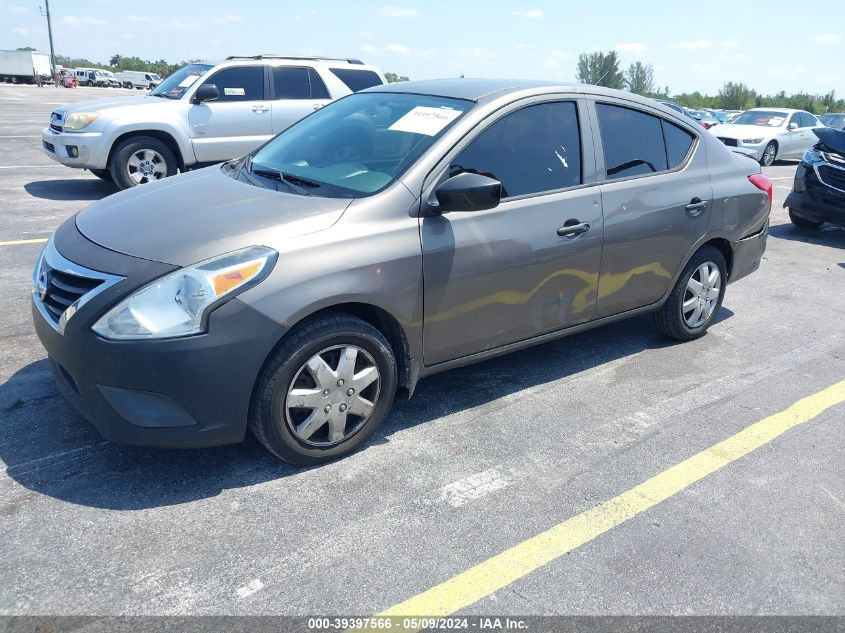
[
  {"x": 260, "y": 109},
  {"x": 571, "y": 230},
  {"x": 696, "y": 206}
]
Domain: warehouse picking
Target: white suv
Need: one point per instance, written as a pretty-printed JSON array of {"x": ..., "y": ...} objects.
[{"x": 202, "y": 113}]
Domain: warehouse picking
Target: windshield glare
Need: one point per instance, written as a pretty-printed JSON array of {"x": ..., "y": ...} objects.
[
  {"x": 762, "y": 118},
  {"x": 360, "y": 144},
  {"x": 177, "y": 84}
]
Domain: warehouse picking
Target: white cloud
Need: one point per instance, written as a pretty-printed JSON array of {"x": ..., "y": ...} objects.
[
  {"x": 730, "y": 44},
  {"x": 695, "y": 44},
  {"x": 521, "y": 47},
  {"x": 827, "y": 38},
  {"x": 530, "y": 13},
  {"x": 20, "y": 30},
  {"x": 137, "y": 18},
  {"x": 392, "y": 11},
  {"x": 76, "y": 20},
  {"x": 399, "y": 49},
  {"x": 631, "y": 47},
  {"x": 229, "y": 18}
]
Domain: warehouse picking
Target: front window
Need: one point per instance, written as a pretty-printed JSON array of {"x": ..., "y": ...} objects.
[
  {"x": 177, "y": 84},
  {"x": 358, "y": 145},
  {"x": 762, "y": 118}
]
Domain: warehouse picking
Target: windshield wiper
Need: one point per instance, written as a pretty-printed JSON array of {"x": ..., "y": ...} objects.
[{"x": 281, "y": 177}]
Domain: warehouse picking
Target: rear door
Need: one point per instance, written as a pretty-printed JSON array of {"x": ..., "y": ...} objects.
[
  {"x": 297, "y": 92},
  {"x": 513, "y": 272},
  {"x": 656, "y": 197},
  {"x": 236, "y": 123}
]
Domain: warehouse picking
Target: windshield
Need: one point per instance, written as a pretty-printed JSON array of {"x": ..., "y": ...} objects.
[
  {"x": 358, "y": 145},
  {"x": 155, "y": 77},
  {"x": 833, "y": 120},
  {"x": 763, "y": 118},
  {"x": 177, "y": 84}
]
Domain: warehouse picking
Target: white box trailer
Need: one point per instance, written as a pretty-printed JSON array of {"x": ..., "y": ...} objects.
[{"x": 17, "y": 66}]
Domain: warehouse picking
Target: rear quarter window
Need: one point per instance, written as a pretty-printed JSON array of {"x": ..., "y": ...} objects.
[
  {"x": 357, "y": 80},
  {"x": 678, "y": 143}
]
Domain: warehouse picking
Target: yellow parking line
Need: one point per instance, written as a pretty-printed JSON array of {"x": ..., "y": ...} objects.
[
  {"x": 40, "y": 240},
  {"x": 501, "y": 570}
]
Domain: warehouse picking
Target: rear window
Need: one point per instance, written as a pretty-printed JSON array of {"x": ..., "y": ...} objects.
[
  {"x": 295, "y": 82},
  {"x": 357, "y": 80}
]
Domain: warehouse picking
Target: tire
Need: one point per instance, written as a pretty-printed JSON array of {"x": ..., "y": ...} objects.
[
  {"x": 769, "y": 154},
  {"x": 281, "y": 427},
  {"x": 139, "y": 153},
  {"x": 671, "y": 319},
  {"x": 102, "y": 174},
  {"x": 803, "y": 223}
]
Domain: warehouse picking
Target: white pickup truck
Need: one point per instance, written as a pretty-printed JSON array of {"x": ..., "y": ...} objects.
[{"x": 201, "y": 114}]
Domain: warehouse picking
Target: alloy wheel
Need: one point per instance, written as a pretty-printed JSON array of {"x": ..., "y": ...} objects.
[
  {"x": 701, "y": 295},
  {"x": 146, "y": 165},
  {"x": 332, "y": 395}
]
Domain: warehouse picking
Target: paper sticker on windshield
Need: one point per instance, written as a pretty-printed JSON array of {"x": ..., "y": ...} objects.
[
  {"x": 425, "y": 120},
  {"x": 776, "y": 121},
  {"x": 234, "y": 92},
  {"x": 189, "y": 80}
]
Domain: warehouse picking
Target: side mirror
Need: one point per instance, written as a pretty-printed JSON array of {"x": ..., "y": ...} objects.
[
  {"x": 792, "y": 126},
  {"x": 468, "y": 192},
  {"x": 206, "y": 92}
]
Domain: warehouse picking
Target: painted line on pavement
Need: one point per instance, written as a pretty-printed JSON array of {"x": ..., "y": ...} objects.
[
  {"x": 520, "y": 560},
  {"x": 40, "y": 240}
]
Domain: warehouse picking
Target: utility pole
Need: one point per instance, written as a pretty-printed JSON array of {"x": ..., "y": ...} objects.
[{"x": 49, "y": 33}]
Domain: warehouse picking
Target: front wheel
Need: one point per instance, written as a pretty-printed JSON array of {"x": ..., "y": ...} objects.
[
  {"x": 696, "y": 298},
  {"x": 324, "y": 391},
  {"x": 769, "y": 154},
  {"x": 102, "y": 174},
  {"x": 140, "y": 160},
  {"x": 803, "y": 223}
]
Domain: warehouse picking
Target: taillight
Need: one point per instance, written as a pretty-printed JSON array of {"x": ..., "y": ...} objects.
[{"x": 763, "y": 184}]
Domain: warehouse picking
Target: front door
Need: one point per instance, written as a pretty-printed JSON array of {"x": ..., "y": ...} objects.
[
  {"x": 236, "y": 123},
  {"x": 529, "y": 266},
  {"x": 656, "y": 197}
]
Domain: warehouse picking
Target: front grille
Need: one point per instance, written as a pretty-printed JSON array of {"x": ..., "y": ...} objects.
[
  {"x": 832, "y": 176},
  {"x": 49, "y": 147},
  {"x": 58, "y": 290},
  {"x": 730, "y": 142}
]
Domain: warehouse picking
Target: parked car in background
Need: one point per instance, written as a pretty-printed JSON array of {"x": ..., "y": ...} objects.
[
  {"x": 818, "y": 190},
  {"x": 380, "y": 240},
  {"x": 202, "y": 113},
  {"x": 771, "y": 133},
  {"x": 707, "y": 119},
  {"x": 96, "y": 77},
  {"x": 138, "y": 79},
  {"x": 834, "y": 120},
  {"x": 679, "y": 109}
]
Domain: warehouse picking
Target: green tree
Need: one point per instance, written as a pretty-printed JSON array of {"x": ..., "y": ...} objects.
[
  {"x": 736, "y": 96},
  {"x": 392, "y": 78},
  {"x": 600, "y": 69},
  {"x": 639, "y": 79}
]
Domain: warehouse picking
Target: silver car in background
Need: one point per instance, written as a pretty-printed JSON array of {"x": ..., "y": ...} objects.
[
  {"x": 398, "y": 232},
  {"x": 770, "y": 133}
]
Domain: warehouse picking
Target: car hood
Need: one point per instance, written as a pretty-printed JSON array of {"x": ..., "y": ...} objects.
[
  {"x": 99, "y": 105},
  {"x": 833, "y": 139},
  {"x": 729, "y": 130},
  {"x": 185, "y": 219}
]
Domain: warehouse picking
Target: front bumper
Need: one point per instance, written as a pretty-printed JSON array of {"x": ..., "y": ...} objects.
[
  {"x": 814, "y": 200},
  {"x": 178, "y": 393},
  {"x": 79, "y": 149}
]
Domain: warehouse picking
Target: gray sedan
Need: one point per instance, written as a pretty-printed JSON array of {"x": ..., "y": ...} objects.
[{"x": 398, "y": 232}]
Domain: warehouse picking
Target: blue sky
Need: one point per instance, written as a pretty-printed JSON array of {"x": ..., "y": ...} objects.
[{"x": 771, "y": 45}]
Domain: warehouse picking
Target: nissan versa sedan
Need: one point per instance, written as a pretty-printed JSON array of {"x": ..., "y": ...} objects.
[{"x": 398, "y": 232}]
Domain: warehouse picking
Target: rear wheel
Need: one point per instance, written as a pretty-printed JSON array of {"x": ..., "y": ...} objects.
[
  {"x": 324, "y": 391},
  {"x": 769, "y": 154},
  {"x": 695, "y": 300},
  {"x": 140, "y": 160},
  {"x": 803, "y": 223}
]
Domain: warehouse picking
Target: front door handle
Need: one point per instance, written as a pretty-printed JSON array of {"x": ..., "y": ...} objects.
[
  {"x": 260, "y": 109},
  {"x": 696, "y": 206},
  {"x": 573, "y": 228}
]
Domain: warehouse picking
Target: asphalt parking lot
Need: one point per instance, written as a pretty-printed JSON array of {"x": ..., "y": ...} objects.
[{"x": 481, "y": 460}]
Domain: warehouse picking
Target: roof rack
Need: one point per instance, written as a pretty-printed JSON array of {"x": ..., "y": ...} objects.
[{"x": 310, "y": 59}]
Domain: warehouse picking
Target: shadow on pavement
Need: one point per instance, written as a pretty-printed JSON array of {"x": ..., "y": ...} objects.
[
  {"x": 827, "y": 235},
  {"x": 50, "y": 450},
  {"x": 70, "y": 189}
]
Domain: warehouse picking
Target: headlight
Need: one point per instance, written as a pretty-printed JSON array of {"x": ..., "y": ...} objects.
[
  {"x": 812, "y": 156},
  {"x": 175, "y": 305},
  {"x": 752, "y": 141},
  {"x": 80, "y": 120}
]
